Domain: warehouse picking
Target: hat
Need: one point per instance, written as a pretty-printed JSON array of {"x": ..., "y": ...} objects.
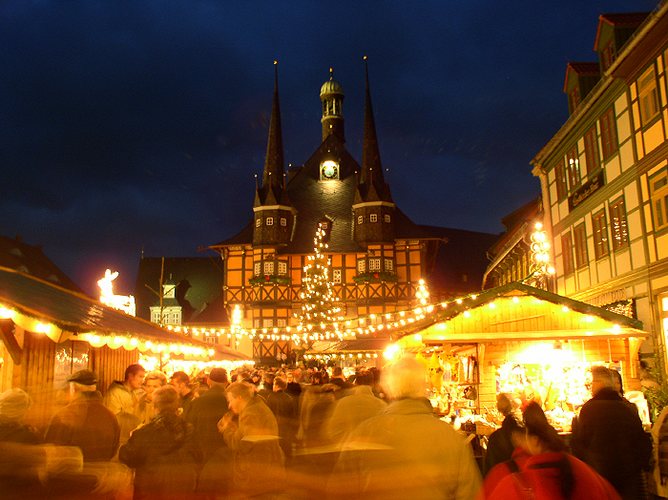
[
  {"x": 13, "y": 404},
  {"x": 218, "y": 375},
  {"x": 83, "y": 377}
]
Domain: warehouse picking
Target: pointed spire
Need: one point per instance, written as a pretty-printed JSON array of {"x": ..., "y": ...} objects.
[
  {"x": 370, "y": 149},
  {"x": 273, "y": 164}
]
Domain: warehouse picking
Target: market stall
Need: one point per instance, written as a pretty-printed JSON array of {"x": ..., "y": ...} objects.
[
  {"x": 48, "y": 332},
  {"x": 531, "y": 343}
]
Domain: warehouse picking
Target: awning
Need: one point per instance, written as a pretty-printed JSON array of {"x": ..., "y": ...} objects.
[
  {"x": 60, "y": 314},
  {"x": 520, "y": 312}
]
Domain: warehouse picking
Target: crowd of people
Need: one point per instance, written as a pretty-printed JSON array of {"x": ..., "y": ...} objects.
[{"x": 297, "y": 433}]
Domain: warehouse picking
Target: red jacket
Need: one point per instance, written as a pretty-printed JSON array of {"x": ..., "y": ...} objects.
[{"x": 538, "y": 480}]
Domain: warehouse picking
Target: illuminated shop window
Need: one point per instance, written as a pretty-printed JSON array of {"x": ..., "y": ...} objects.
[
  {"x": 573, "y": 169},
  {"x": 618, "y": 224},
  {"x": 282, "y": 268},
  {"x": 269, "y": 267},
  {"x": 600, "y": 225}
]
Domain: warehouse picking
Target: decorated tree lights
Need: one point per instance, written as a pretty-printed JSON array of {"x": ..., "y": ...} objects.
[{"x": 319, "y": 318}]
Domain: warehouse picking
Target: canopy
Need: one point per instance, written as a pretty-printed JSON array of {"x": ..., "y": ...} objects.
[
  {"x": 61, "y": 314},
  {"x": 520, "y": 312}
]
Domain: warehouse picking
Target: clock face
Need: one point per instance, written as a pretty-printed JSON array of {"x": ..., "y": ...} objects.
[{"x": 329, "y": 170}]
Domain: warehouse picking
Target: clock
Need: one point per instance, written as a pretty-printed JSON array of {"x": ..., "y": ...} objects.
[{"x": 329, "y": 170}]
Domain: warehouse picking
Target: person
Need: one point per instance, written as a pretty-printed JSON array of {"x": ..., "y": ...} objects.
[
  {"x": 181, "y": 382},
  {"x": 660, "y": 441},
  {"x": 14, "y": 404},
  {"x": 608, "y": 435},
  {"x": 547, "y": 472},
  {"x": 85, "y": 422},
  {"x": 349, "y": 411},
  {"x": 152, "y": 381},
  {"x": 339, "y": 380},
  {"x": 122, "y": 399},
  {"x": 21, "y": 462},
  {"x": 162, "y": 452},
  {"x": 250, "y": 430},
  {"x": 500, "y": 446},
  {"x": 204, "y": 414},
  {"x": 406, "y": 451},
  {"x": 294, "y": 387},
  {"x": 284, "y": 408}
]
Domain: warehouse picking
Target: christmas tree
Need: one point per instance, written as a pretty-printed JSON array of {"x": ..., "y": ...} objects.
[{"x": 319, "y": 318}]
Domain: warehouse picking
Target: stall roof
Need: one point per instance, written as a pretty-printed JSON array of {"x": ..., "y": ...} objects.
[
  {"x": 351, "y": 345},
  {"x": 520, "y": 312},
  {"x": 62, "y": 314}
]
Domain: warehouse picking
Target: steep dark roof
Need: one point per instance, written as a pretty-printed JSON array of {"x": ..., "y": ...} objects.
[
  {"x": 199, "y": 280},
  {"x": 28, "y": 259},
  {"x": 314, "y": 200},
  {"x": 461, "y": 262}
]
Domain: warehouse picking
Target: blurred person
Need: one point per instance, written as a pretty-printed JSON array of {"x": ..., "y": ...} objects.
[
  {"x": 406, "y": 451},
  {"x": 85, "y": 422},
  {"x": 500, "y": 446},
  {"x": 267, "y": 385},
  {"x": 608, "y": 435},
  {"x": 152, "y": 381},
  {"x": 660, "y": 453},
  {"x": 14, "y": 404},
  {"x": 546, "y": 471},
  {"x": 355, "y": 407},
  {"x": 339, "y": 380},
  {"x": 293, "y": 387},
  {"x": 181, "y": 382},
  {"x": 250, "y": 430},
  {"x": 284, "y": 408},
  {"x": 123, "y": 398},
  {"x": 162, "y": 452},
  {"x": 204, "y": 414}
]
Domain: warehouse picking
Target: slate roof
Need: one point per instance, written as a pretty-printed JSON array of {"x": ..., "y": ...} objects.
[
  {"x": 199, "y": 281},
  {"x": 76, "y": 313},
  {"x": 315, "y": 200},
  {"x": 29, "y": 259}
]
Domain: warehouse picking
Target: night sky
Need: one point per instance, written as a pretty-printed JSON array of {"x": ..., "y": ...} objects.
[{"x": 130, "y": 125}]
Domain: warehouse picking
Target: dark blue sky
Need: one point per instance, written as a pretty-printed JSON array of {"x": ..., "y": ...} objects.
[{"x": 140, "y": 124}]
